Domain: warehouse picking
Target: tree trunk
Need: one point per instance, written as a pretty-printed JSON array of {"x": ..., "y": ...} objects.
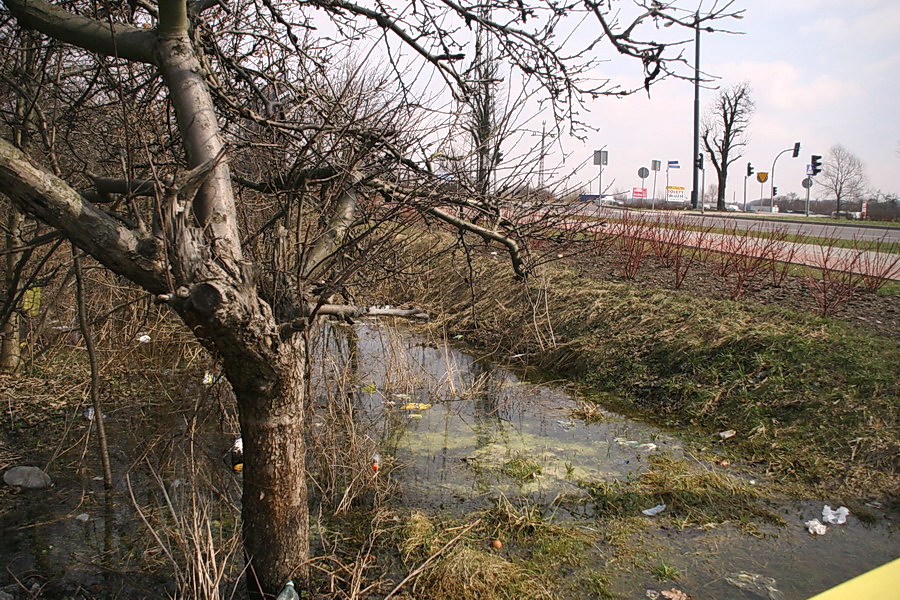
[
  {"x": 274, "y": 506},
  {"x": 10, "y": 348},
  {"x": 720, "y": 200}
]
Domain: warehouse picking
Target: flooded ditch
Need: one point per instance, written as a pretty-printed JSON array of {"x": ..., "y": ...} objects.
[{"x": 454, "y": 434}]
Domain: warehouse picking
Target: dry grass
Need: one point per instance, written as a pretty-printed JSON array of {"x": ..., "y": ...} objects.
[{"x": 460, "y": 565}]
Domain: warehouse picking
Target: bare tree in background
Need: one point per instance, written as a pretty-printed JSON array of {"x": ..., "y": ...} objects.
[
  {"x": 246, "y": 171},
  {"x": 843, "y": 175},
  {"x": 724, "y": 132}
]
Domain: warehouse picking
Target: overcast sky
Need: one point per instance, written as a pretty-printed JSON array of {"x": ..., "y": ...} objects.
[{"x": 823, "y": 72}]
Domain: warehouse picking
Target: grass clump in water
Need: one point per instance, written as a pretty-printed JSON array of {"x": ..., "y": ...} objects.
[
  {"x": 459, "y": 563},
  {"x": 694, "y": 495},
  {"x": 522, "y": 468},
  {"x": 664, "y": 571}
]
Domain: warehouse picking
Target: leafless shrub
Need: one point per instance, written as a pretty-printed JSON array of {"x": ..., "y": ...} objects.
[
  {"x": 876, "y": 268},
  {"x": 836, "y": 282}
]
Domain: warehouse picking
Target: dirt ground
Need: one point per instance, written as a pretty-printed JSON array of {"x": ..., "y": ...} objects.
[{"x": 877, "y": 311}]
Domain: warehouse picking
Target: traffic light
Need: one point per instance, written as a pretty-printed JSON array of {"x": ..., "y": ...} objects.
[
  {"x": 749, "y": 169},
  {"x": 700, "y": 161},
  {"x": 774, "y": 191},
  {"x": 796, "y": 150},
  {"x": 816, "y": 162}
]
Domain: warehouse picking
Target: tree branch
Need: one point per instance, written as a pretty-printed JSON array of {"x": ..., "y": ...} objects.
[
  {"x": 347, "y": 311},
  {"x": 111, "y": 39},
  {"x": 49, "y": 198}
]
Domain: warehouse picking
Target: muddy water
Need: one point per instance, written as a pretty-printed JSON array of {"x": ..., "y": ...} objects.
[
  {"x": 465, "y": 431},
  {"x": 459, "y": 429}
]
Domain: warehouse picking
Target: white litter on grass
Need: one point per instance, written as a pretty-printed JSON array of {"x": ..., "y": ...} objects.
[
  {"x": 83, "y": 517},
  {"x": 729, "y": 433},
  {"x": 144, "y": 339},
  {"x": 835, "y": 517},
  {"x": 815, "y": 527},
  {"x": 208, "y": 378},
  {"x": 655, "y": 510}
]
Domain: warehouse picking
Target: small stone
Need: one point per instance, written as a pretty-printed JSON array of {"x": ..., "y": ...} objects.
[{"x": 27, "y": 477}]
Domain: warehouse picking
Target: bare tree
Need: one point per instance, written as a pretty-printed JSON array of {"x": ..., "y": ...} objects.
[
  {"x": 843, "y": 175},
  {"x": 246, "y": 177},
  {"x": 725, "y": 132}
]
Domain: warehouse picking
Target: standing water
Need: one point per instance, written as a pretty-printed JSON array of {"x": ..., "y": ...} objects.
[
  {"x": 461, "y": 432},
  {"x": 455, "y": 434}
]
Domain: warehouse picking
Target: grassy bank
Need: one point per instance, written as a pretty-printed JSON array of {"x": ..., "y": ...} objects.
[{"x": 813, "y": 402}]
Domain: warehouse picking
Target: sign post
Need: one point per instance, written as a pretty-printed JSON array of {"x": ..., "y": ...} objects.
[
  {"x": 654, "y": 166},
  {"x": 643, "y": 172},
  {"x": 761, "y": 177},
  {"x": 807, "y": 183},
  {"x": 601, "y": 157}
]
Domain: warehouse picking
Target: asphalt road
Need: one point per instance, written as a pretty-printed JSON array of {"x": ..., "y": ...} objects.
[{"x": 782, "y": 223}]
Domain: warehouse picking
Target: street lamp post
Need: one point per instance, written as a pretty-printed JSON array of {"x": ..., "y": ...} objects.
[
  {"x": 694, "y": 195},
  {"x": 796, "y": 150}
]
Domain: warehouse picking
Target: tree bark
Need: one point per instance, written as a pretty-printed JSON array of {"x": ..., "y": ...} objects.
[
  {"x": 10, "y": 349},
  {"x": 274, "y": 507}
]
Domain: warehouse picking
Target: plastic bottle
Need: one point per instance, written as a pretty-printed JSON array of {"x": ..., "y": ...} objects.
[{"x": 288, "y": 593}]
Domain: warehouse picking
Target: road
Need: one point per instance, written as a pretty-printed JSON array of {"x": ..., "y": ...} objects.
[{"x": 824, "y": 230}]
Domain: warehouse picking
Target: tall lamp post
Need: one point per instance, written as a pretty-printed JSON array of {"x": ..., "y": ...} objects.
[
  {"x": 796, "y": 152},
  {"x": 694, "y": 195},
  {"x": 696, "y": 175}
]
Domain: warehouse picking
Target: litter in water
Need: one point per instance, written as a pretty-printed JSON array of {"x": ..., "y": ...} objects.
[
  {"x": 815, "y": 527},
  {"x": 835, "y": 517},
  {"x": 647, "y": 447},
  {"x": 415, "y": 406},
  {"x": 757, "y": 584},
  {"x": 655, "y": 510}
]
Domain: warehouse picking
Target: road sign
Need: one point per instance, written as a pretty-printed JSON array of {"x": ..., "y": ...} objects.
[
  {"x": 675, "y": 193},
  {"x": 655, "y": 165},
  {"x": 762, "y": 176},
  {"x": 643, "y": 172},
  {"x": 601, "y": 157},
  {"x": 807, "y": 183},
  {"x": 638, "y": 193},
  {"x": 809, "y": 170}
]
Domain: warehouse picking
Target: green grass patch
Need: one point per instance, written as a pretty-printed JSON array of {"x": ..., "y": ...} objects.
[{"x": 694, "y": 496}]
